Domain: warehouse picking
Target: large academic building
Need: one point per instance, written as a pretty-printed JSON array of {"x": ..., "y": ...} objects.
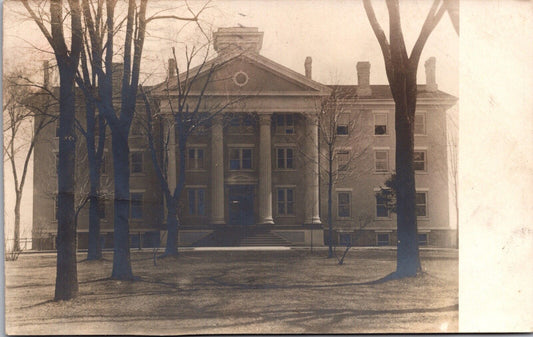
[{"x": 258, "y": 172}]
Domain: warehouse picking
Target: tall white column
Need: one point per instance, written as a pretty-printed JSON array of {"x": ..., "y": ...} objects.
[
  {"x": 265, "y": 170},
  {"x": 217, "y": 172},
  {"x": 312, "y": 206}
]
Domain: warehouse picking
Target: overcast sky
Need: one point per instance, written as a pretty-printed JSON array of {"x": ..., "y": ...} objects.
[{"x": 336, "y": 34}]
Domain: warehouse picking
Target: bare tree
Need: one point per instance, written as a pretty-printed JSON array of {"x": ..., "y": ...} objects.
[
  {"x": 363, "y": 220},
  {"x": 119, "y": 120},
  {"x": 401, "y": 69},
  {"x": 67, "y": 61},
  {"x": 189, "y": 112},
  {"x": 19, "y": 139},
  {"x": 342, "y": 143}
]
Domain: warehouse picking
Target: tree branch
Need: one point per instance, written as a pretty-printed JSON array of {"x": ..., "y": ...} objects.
[{"x": 431, "y": 21}]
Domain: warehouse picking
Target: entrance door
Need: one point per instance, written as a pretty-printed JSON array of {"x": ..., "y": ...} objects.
[{"x": 241, "y": 205}]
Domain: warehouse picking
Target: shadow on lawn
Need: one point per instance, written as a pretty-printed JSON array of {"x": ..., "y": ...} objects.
[{"x": 239, "y": 285}]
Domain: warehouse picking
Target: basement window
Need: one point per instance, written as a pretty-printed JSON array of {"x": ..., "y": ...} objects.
[
  {"x": 422, "y": 239},
  {"x": 383, "y": 239}
]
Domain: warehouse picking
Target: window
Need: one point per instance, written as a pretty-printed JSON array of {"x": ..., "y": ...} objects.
[
  {"x": 383, "y": 239},
  {"x": 381, "y": 207},
  {"x": 419, "y": 161},
  {"x": 342, "y": 130},
  {"x": 381, "y": 160},
  {"x": 195, "y": 159},
  {"x": 136, "y": 205},
  {"x": 101, "y": 208},
  {"x": 380, "y": 124},
  {"x": 196, "y": 201},
  {"x": 343, "y": 158},
  {"x": 285, "y": 201},
  {"x": 56, "y": 155},
  {"x": 420, "y": 124},
  {"x": 136, "y": 128},
  {"x": 284, "y": 123},
  {"x": 136, "y": 162},
  {"x": 421, "y": 204},
  {"x": 285, "y": 158},
  {"x": 345, "y": 239},
  {"x": 240, "y": 159},
  {"x": 422, "y": 239},
  {"x": 238, "y": 121},
  {"x": 56, "y": 207},
  {"x": 343, "y": 204}
]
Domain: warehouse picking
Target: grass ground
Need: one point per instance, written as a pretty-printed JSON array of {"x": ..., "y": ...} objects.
[{"x": 207, "y": 292}]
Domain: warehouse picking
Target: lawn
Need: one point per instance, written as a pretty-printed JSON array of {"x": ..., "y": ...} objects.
[{"x": 209, "y": 292}]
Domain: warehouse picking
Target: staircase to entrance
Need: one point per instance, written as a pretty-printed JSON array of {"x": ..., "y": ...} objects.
[{"x": 238, "y": 236}]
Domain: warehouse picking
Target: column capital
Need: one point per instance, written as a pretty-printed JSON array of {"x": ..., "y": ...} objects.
[
  {"x": 311, "y": 119},
  {"x": 265, "y": 118},
  {"x": 217, "y": 118}
]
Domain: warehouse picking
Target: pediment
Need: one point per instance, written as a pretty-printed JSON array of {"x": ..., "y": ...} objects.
[{"x": 250, "y": 74}]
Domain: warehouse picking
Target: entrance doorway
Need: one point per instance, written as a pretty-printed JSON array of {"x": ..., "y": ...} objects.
[{"x": 241, "y": 205}]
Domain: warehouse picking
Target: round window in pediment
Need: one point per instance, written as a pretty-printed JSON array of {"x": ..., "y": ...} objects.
[{"x": 240, "y": 78}]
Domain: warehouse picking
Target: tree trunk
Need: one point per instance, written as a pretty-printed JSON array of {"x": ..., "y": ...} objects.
[
  {"x": 121, "y": 173},
  {"x": 172, "y": 228},
  {"x": 404, "y": 90},
  {"x": 16, "y": 234},
  {"x": 172, "y": 216},
  {"x": 94, "y": 251},
  {"x": 330, "y": 210},
  {"x": 67, "y": 274}
]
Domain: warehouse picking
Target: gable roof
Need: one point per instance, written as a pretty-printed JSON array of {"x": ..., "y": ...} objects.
[{"x": 254, "y": 58}]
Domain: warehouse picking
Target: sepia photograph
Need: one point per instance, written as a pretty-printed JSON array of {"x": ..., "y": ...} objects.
[{"x": 237, "y": 167}]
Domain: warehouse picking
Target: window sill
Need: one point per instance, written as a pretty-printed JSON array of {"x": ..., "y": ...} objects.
[
  {"x": 421, "y": 172},
  {"x": 383, "y": 218},
  {"x": 196, "y": 170},
  {"x": 237, "y": 133},
  {"x": 285, "y": 170},
  {"x": 385, "y": 135},
  {"x": 344, "y": 218},
  {"x": 382, "y": 172},
  {"x": 241, "y": 170}
]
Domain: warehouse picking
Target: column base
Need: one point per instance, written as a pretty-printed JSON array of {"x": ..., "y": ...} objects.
[
  {"x": 313, "y": 221},
  {"x": 267, "y": 221}
]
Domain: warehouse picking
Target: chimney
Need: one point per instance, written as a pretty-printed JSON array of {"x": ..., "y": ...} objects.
[
  {"x": 237, "y": 39},
  {"x": 431, "y": 83},
  {"x": 171, "y": 67},
  {"x": 308, "y": 67},
  {"x": 363, "y": 79},
  {"x": 46, "y": 78},
  {"x": 117, "y": 71}
]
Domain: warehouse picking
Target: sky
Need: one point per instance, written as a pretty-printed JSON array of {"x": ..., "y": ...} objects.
[{"x": 336, "y": 34}]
